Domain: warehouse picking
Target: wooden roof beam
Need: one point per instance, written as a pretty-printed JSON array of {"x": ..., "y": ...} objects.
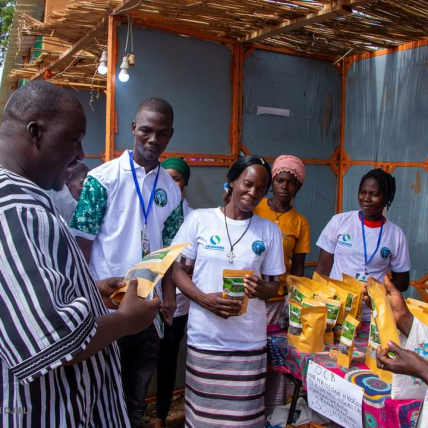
[
  {"x": 341, "y": 8},
  {"x": 79, "y": 45},
  {"x": 87, "y": 38}
]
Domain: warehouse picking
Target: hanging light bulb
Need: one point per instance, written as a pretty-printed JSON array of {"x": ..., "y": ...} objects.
[
  {"x": 124, "y": 75},
  {"x": 102, "y": 67}
]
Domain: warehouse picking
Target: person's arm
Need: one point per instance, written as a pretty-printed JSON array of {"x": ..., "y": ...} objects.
[
  {"x": 214, "y": 302},
  {"x": 298, "y": 264},
  {"x": 401, "y": 280},
  {"x": 88, "y": 216},
  {"x": 325, "y": 263},
  {"x": 263, "y": 289},
  {"x": 85, "y": 246},
  {"x": 405, "y": 362},
  {"x": 169, "y": 304},
  {"x": 133, "y": 315}
]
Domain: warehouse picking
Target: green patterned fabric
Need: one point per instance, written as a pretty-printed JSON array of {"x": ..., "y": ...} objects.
[
  {"x": 89, "y": 213},
  {"x": 172, "y": 224}
]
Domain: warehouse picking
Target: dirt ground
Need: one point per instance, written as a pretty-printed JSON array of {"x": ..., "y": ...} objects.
[{"x": 176, "y": 415}]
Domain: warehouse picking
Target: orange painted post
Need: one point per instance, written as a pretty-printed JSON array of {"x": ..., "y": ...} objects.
[
  {"x": 237, "y": 80},
  {"x": 111, "y": 88}
]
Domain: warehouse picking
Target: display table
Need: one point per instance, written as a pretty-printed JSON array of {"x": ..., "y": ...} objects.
[{"x": 379, "y": 410}]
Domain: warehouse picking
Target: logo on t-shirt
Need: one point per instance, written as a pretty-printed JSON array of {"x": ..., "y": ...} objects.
[
  {"x": 215, "y": 241},
  {"x": 385, "y": 252},
  {"x": 344, "y": 239},
  {"x": 161, "y": 198},
  {"x": 258, "y": 248}
]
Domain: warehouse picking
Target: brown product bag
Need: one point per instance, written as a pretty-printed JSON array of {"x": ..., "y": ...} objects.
[
  {"x": 371, "y": 363},
  {"x": 298, "y": 291},
  {"x": 333, "y": 307},
  {"x": 357, "y": 287},
  {"x": 295, "y": 326},
  {"x": 313, "y": 325},
  {"x": 311, "y": 285},
  {"x": 346, "y": 347},
  {"x": 233, "y": 286}
]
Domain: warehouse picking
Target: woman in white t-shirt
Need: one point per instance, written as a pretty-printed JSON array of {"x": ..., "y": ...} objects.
[
  {"x": 364, "y": 243},
  {"x": 226, "y": 360}
]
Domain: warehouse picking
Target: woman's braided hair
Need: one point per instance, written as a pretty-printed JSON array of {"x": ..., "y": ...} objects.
[{"x": 386, "y": 184}]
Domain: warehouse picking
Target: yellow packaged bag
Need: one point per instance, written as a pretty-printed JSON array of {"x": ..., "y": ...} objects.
[
  {"x": 419, "y": 313},
  {"x": 374, "y": 343},
  {"x": 233, "y": 286},
  {"x": 346, "y": 347},
  {"x": 306, "y": 303},
  {"x": 333, "y": 307},
  {"x": 295, "y": 323},
  {"x": 149, "y": 271},
  {"x": 357, "y": 287},
  {"x": 298, "y": 291},
  {"x": 353, "y": 302},
  {"x": 417, "y": 303},
  {"x": 311, "y": 285},
  {"x": 313, "y": 320}
]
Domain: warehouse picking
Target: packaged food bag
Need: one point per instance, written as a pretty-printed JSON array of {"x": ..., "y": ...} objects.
[
  {"x": 233, "y": 286},
  {"x": 306, "y": 303},
  {"x": 333, "y": 307},
  {"x": 298, "y": 290},
  {"x": 341, "y": 295},
  {"x": 310, "y": 285},
  {"x": 374, "y": 342},
  {"x": 295, "y": 323},
  {"x": 313, "y": 320},
  {"x": 382, "y": 313},
  {"x": 346, "y": 347},
  {"x": 357, "y": 287},
  {"x": 419, "y": 313},
  {"x": 149, "y": 271},
  {"x": 417, "y": 303},
  {"x": 354, "y": 300}
]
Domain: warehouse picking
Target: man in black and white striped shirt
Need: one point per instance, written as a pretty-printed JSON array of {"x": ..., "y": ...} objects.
[{"x": 59, "y": 363}]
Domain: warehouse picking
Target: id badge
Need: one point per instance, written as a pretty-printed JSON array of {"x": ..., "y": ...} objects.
[
  {"x": 362, "y": 277},
  {"x": 145, "y": 243}
]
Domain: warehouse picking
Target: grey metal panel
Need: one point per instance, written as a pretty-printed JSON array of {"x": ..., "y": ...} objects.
[
  {"x": 309, "y": 88},
  {"x": 205, "y": 189},
  {"x": 387, "y": 107},
  {"x": 408, "y": 211},
  {"x": 193, "y": 75},
  {"x": 316, "y": 201},
  {"x": 94, "y": 141}
]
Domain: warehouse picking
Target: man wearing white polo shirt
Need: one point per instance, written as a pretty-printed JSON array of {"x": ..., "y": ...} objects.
[{"x": 119, "y": 218}]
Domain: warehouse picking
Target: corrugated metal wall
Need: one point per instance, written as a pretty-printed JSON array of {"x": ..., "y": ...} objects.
[{"x": 386, "y": 121}]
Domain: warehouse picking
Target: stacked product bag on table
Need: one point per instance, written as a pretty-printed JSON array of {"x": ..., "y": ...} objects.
[
  {"x": 382, "y": 327},
  {"x": 307, "y": 295}
]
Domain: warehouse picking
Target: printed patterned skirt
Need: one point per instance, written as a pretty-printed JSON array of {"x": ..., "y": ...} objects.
[{"x": 225, "y": 389}]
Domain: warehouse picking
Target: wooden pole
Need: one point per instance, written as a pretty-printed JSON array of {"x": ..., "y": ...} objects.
[
  {"x": 111, "y": 88},
  {"x": 237, "y": 80}
]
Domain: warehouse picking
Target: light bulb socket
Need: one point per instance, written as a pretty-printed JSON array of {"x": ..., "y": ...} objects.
[
  {"x": 125, "y": 63},
  {"x": 131, "y": 60}
]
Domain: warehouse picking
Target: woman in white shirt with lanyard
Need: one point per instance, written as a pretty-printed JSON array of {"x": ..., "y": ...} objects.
[
  {"x": 226, "y": 360},
  {"x": 364, "y": 243}
]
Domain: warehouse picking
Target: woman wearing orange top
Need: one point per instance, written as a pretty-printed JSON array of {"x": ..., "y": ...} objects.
[{"x": 288, "y": 176}]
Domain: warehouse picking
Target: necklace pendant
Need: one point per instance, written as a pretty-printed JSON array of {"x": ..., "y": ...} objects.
[
  {"x": 276, "y": 222},
  {"x": 231, "y": 256}
]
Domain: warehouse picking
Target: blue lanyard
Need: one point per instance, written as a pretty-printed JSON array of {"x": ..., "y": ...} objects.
[
  {"x": 365, "y": 243},
  {"x": 137, "y": 187}
]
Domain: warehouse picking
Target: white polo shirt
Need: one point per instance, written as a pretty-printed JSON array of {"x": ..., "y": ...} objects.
[
  {"x": 260, "y": 250},
  {"x": 109, "y": 213},
  {"x": 343, "y": 238}
]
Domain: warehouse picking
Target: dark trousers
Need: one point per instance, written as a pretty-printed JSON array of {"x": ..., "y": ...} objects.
[
  {"x": 139, "y": 354},
  {"x": 167, "y": 365}
]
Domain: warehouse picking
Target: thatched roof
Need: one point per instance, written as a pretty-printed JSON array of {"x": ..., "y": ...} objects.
[{"x": 329, "y": 28}]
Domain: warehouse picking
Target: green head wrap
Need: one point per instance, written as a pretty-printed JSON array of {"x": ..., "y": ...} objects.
[{"x": 178, "y": 165}]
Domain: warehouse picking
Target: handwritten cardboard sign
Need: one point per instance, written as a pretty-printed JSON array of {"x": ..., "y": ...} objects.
[{"x": 334, "y": 397}]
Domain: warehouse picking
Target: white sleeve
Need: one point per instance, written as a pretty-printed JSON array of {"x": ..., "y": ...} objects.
[
  {"x": 273, "y": 263},
  {"x": 400, "y": 260},
  {"x": 188, "y": 233},
  {"x": 328, "y": 238}
]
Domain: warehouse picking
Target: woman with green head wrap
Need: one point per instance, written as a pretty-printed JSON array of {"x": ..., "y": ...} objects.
[{"x": 179, "y": 171}]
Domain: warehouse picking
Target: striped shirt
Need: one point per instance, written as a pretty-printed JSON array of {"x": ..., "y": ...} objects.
[{"x": 48, "y": 301}]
